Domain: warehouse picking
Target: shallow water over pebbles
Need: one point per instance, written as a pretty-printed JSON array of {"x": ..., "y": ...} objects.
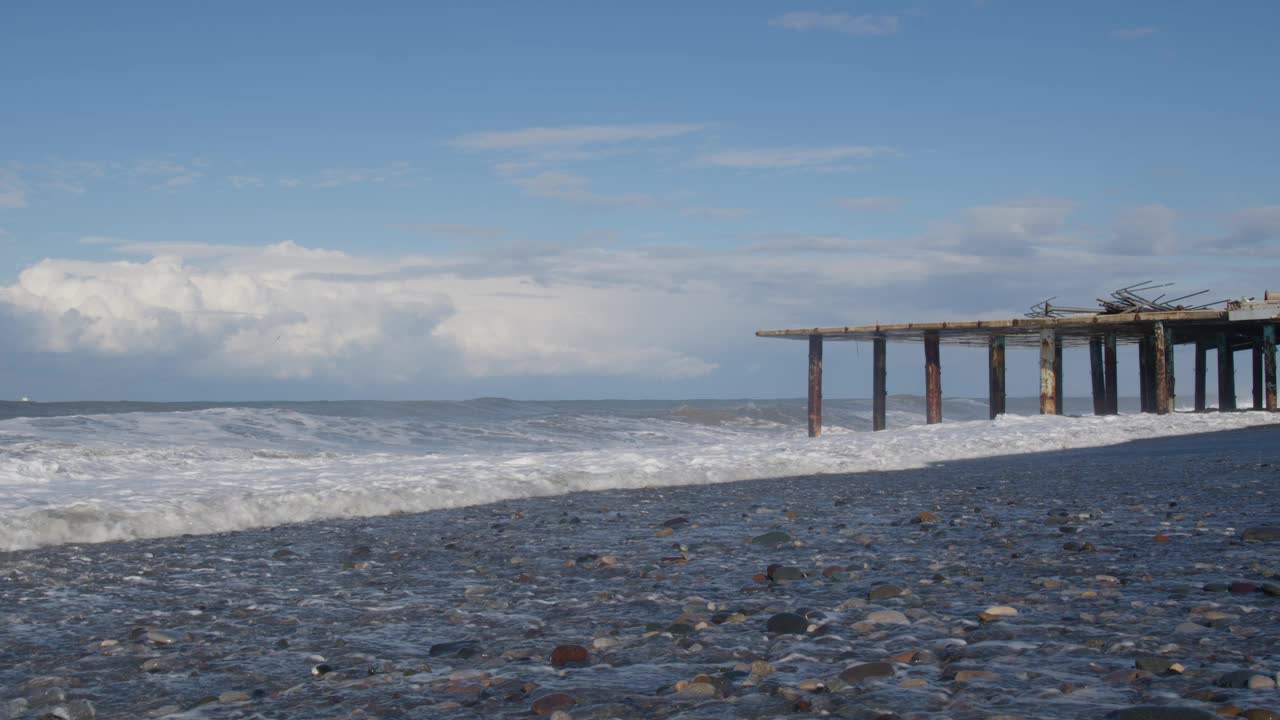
[{"x": 456, "y": 613}]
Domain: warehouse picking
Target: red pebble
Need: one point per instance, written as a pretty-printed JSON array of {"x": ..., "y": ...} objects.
[{"x": 568, "y": 655}]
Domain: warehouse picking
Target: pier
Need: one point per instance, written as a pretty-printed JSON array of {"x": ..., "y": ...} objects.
[{"x": 1242, "y": 326}]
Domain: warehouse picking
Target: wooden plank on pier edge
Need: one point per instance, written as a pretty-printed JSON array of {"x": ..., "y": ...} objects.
[
  {"x": 1096, "y": 376},
  {"x": 1109, "y": 365},
  {"x": 995, "y": 377},
  {"x": 932, "y": 379},
  {"x": 1048, "y": 381},
  {"x": 878, "y": 391},
  {"x": 1269, "y": 363},
  {"x": 815, "y": 385},
  {"x": 1201, "y": 351},
  {"x": 1257, "y": 373},
  {"x": 1226, "y": 375},
  {"x": 1160, "y": 367},
  {"x": 1057, "y": 374}
]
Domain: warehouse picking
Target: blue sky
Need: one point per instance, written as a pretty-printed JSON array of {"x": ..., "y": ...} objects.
[{"x": 445, "y": 200}]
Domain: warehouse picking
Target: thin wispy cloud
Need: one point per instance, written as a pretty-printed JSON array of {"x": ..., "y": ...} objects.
[
  {"x": 1147, "y": 230},
  {"x": 341, "y": 177},
  {"x": 13, "y": 193},
  {"x": 240, "y": 182},
  {"x": 870, "y": 202},
  {"x": 858, "y": 25},
  {"x": 576, "y": 189},
  {"x": 1136, "y": 33},
  {"x": 715, "y": 212},
  {"x": 792, "y": 157},
  {"x": 73, "y": 176},
  {"x": 573, "y": 136},
  {"x": 1252, "y": 230},
  {"x": 797, "y": 242},
  {"x": 453, "y": 230}
]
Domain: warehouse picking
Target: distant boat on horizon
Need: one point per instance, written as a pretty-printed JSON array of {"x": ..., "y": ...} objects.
[{"x": 24, "y": 398}]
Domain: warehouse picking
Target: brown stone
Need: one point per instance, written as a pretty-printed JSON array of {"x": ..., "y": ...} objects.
[
  {"x": 569, "y": 655},
  {"x": 865, "y": 671},
  {"x": 548, "y": 704}
]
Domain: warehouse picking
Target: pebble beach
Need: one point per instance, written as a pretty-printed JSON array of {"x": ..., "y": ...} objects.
[{"x": 1136, "y": 581}]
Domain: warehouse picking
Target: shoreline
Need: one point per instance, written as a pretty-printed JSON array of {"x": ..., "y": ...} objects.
[{"x": 455, "y": 613}]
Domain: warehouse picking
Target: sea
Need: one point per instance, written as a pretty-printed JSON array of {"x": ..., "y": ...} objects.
[{"x": 88, "y": 472}]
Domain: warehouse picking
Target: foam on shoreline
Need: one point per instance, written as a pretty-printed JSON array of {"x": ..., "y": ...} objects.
[{"x": 85, "y": 479}]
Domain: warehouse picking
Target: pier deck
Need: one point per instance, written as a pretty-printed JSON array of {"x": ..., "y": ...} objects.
[{"x": 1155, "y": 333}]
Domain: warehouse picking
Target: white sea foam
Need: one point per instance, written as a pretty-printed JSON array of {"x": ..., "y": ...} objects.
[{"x": 93, "y": 478}]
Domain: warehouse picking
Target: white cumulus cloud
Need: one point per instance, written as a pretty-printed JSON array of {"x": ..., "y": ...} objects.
[{"x": 286, "y": 311}]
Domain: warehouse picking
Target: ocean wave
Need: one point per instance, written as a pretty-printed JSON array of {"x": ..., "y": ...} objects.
[{"x": 80, "y": 479}]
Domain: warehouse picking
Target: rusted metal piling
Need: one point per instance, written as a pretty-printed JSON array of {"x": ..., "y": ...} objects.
[
  {"x": 1269, "y": 364},
  {"x": 1160, "y": 353},
  {"x": 1256, "y": 352},
  {"x": 1110, "y": 379},
  {"x": 932, "y": 378},
  {"x": 1226, "y": 374},
  {"x": 995, "y": 376},
  {"x": 1048, "y": 372},
  {"x": 879, "y": 392},
  {"x": 1146, "y": 381},
  {"x": 815, "y": 385},
  {"x": 1201, "y": 352},
  {"x": 1155, "y": 333},
  {"x": 1058, "y": 375},
  {"x": 1098, "y": 383}
]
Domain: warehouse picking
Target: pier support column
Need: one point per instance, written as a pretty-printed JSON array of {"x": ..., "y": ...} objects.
[
  {"x": 878, "y": 391},
  {"x": 932, "y": 378},
  {"x": 1269, "y": 364},
  {"x": 1048, "y": 373},
  {"x": 1201, "y": 351},
  {"x": 1257, "y": 373},
  {"x": 1058, "y": 375},
  {"x": 995, "y": 376},
  {"x": 815, "y": 385},
  {"x": 1170, "y": 342},
  {"x": 1096, "y": 375},
  {"x": 1109, "y": 365},
  {"x": 1146, "y": 384},
  {"x": 1226, "y": 375},
  {"x": 1160, "y": 363}
]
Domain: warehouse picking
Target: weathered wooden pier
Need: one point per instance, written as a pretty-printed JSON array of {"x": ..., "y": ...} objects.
[{"x": 1249, "y": 326}]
